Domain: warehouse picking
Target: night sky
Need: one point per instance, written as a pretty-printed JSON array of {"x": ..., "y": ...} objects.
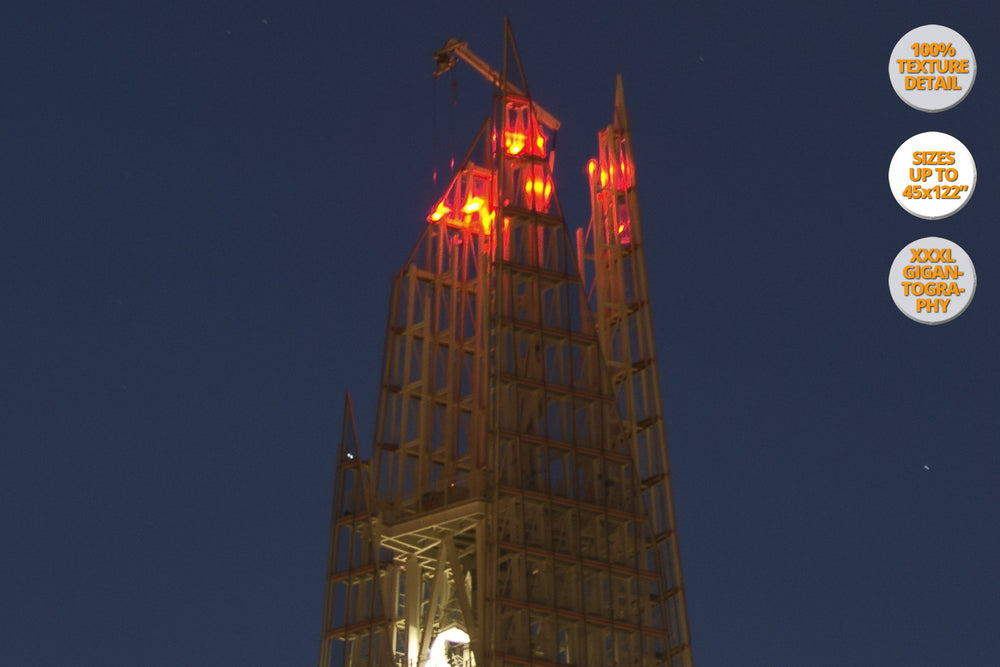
[{"x": 201, "y": 209}]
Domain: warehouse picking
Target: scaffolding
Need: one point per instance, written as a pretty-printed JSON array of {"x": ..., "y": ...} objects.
[{"x": 517, "y": 508}]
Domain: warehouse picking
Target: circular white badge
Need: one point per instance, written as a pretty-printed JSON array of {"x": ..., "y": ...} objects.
[
  {"x": 932, "y": 68},
  {"x": 932, "y": 175},
  {"x": 932, "y": 280}
]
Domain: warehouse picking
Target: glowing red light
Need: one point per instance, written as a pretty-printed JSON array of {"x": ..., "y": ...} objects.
[
  {"x": 538, "y": 188},
  {"x": 514, "y": 142},
  {"x": 439, "y": 212},
  {"x": 467, "y": 203},
  {"x": 522, "y": 134}
]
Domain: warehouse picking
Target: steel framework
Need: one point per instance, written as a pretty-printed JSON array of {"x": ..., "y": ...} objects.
[{"x": 517, "y": 509}]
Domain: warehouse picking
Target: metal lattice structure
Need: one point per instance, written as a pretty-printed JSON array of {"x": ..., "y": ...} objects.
[{"x": 517, "y": 509}]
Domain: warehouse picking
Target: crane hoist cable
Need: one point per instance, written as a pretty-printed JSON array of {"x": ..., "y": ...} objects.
[{"x": 454, "y": 49}]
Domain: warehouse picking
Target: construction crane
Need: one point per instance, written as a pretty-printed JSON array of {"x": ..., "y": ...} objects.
[{"x": 454, "y": 49}]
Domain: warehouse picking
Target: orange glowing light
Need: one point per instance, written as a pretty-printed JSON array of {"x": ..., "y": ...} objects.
[
  {"x": 621, "y": 228},
  {"x": 467, "y": 203},
  {"x": 522, "y": 134},
  {"x": 439, "y": 212},
  {"x": 625, "y": 176},
  {"x": 476, "y": 208},
  {"x": 486, "y": 219},
  {"x": 617, "y": 173},
  {"x": 514, "y": 142},
  {"x": 538, "y": 188}
]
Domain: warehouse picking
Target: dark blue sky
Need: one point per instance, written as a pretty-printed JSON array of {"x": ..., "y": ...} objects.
[{"x": 202, "y": 207}]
